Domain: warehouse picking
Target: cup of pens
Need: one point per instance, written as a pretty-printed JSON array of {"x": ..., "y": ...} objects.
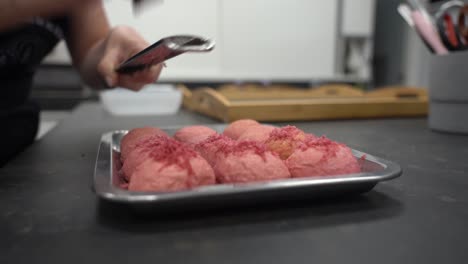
[{"x": 445, "y": 34}]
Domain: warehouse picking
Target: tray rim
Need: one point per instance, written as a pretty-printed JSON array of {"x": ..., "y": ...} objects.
[{"x": 104, "y": 188}]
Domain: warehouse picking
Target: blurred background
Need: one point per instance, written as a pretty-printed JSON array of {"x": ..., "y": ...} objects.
[{"x": 364, "y": 43}]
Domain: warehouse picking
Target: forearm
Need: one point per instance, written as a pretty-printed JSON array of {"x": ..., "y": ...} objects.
[
  {"x": 97, "y": 51},
  {"x": 88, "y": 28},
  {"x": 88, "y": 66},
  {"x": 100, "y": 62}
]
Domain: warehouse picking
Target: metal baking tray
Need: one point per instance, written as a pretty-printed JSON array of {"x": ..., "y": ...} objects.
[{"x": 106, "y": 179}]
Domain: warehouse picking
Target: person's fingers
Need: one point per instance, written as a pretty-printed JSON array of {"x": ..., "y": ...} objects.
[
  {"x": 156, "y": 71},
  {"x": 149, "y": 75},
  {"x": 129, "y": 41},
  {"x": 130, "y": 84},
  {"x": 122, "y": 43},
  {"x": 128, "y": 81},
  {"x": 141, "y": 77},
  {"x": 106, "y": 67}
]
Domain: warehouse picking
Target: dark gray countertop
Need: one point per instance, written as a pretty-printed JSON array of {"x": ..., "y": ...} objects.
[{"x": 50, "y": 215}]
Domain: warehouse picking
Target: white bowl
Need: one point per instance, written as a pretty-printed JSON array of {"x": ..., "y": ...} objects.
[{"x": 153, "y": 99}]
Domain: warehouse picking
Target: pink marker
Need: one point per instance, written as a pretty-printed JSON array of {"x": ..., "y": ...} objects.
[{"x": 428, "y": 32}]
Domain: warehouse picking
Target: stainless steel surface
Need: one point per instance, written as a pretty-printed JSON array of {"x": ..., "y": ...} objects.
[
  {"x": 374, "y": 170},
  {"x": 165, "y": 49}
]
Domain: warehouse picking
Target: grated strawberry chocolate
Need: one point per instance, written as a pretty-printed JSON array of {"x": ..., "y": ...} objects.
[
  {"x": 321, "y": 157},
  {"x": 168, "y": 151},
  {"x": 287, "y": 132},
  {"x": 217, "y": 138},
  {"x": 284, "y": 140},
  {"x": 329, "y": 147},
  {"x": 129, "y": 141},
  {"x": 165, "y": 164},
  {"x": 241, "y": 147}
]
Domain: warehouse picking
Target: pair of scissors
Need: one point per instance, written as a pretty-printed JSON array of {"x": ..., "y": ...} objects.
[{"x": 453, "y": 35}]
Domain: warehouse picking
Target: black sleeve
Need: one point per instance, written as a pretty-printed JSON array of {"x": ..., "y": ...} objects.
[{"x": 63, "y": 24}]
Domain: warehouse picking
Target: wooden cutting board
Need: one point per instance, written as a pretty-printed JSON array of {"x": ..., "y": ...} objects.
[{"x": 286, "y": 103}]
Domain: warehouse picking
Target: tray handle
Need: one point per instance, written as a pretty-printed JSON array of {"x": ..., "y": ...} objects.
[
  {"x": 399, "y": 92},
  {"x": 211, "y": 103},
  {"x": 187, "y": 100},
  {"x": 336, "y": 90}
]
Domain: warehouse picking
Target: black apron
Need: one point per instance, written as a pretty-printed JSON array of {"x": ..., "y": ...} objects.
[{"x": 21, "y": 51}]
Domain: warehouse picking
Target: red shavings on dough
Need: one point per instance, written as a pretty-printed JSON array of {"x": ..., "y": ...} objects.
[
  {"x": 241, "y": 147},
  {"x": 322, "y": 143},
  {"x": 169, "y": 151},
  {"x": 216, "y": 138},
  {"x": 287, "y": 132}
]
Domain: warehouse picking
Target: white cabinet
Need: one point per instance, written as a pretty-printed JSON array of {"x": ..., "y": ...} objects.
[
  {"x": 200, "y": 17},
  {"x": 358, "y": 18},
  {"x": 266, "y": 40},
  {"x": 277, "y": 39}
]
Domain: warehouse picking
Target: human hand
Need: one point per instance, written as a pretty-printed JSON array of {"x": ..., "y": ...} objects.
[{"x": 121, "y": 43}]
